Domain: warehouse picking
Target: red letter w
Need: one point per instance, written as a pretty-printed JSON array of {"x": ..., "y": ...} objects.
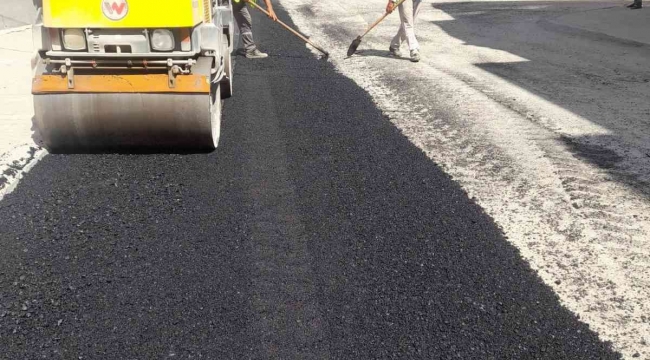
[{"x": 114, "y": 8}]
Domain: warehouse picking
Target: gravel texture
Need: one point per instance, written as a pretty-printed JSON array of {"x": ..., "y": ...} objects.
[
  {"x": 539, "y": 111},
  {"x": 317, "y": 230}
]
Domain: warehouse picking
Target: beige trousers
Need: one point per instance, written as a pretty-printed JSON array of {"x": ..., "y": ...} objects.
[{"x": 408, "y": 13}]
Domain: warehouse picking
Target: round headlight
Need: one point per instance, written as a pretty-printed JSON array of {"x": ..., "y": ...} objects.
[
  {"x": 162, "y": 40},
  {"x": 74, "y": 39}
]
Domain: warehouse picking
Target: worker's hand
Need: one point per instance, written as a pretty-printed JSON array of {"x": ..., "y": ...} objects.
[
  {"x": 269, "y": 8},
  {"x": 390, "y": 7},
  {"x": 272, "y": 15}
]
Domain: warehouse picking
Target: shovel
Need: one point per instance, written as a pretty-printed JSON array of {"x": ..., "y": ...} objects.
[
  {"x": 355, "y": 44},
  {"x": 301, "y": 36}
]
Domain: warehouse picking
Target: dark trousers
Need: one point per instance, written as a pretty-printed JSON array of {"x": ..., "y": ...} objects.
[{"x": 245, "y": 24}]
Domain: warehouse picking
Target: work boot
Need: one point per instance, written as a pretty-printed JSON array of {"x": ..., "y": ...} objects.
[
  {"x": 395, "y": 52},
  {"x": 636, "y": 6},
  {"x": 415, "y": 55},
  {"x": 256, "y": 54}
]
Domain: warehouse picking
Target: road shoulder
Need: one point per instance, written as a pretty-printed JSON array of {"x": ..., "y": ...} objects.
[{"x": 18, "y": 151}]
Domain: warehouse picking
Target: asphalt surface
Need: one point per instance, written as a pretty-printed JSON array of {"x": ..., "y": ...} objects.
[{"x": 316, "y": 230}]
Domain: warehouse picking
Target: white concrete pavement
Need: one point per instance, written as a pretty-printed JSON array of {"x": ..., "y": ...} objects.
[
  {"x": 15, "y": 13},
  {"x": 17, "y": 147},
  {"x": 15, "y": 86},
  {"x": 18, "y": 151}
]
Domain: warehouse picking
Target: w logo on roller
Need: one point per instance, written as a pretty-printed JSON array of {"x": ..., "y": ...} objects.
[{"x": 115, "y": 9}]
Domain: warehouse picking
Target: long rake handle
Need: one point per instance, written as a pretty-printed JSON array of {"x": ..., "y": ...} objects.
[
  {"x": 382, "y": 18},
  {"x": 289, "y": 28}
]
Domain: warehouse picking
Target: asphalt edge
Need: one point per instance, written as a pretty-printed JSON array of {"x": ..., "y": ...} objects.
[
  {"x": 16, "y": 170},
  {"x": 19, "y": 160}
]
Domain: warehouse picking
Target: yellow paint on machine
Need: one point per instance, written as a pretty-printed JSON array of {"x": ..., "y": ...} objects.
[{"x": 137, "y": 13}]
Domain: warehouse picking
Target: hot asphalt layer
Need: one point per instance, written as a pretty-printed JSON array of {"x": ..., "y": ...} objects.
[{"x": 316, "y": 230}]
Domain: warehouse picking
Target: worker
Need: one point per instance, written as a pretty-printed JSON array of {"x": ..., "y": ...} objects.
[
  {"x": 244, "y": 22},
  {"x": 637, "y": 4},
  {"x": 408, "y": 13}
]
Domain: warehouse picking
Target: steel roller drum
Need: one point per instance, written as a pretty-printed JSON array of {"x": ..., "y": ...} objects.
[{"x": 90, "y": 122}]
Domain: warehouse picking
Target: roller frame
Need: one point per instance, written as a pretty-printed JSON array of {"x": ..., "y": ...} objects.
[{"x": 106, "y": 103}]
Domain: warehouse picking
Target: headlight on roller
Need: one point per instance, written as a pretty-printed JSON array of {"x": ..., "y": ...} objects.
[
  {"x": 74, "y": 39},
  {"x": 162, "y": 40}
]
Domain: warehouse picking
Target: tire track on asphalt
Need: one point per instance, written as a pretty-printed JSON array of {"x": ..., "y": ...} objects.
[{"x": 288, "y": 317}]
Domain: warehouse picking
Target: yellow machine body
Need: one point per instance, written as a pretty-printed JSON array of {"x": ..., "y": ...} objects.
[{"x": 138, "y": 13}]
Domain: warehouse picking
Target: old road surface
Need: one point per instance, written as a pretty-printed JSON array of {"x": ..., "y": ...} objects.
[{"x": 317, "y": 230}]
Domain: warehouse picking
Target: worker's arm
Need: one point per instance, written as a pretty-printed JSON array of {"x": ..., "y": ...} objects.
[
  {"x": 269, "y": 8},
  {"x": 390, "y": 7}
]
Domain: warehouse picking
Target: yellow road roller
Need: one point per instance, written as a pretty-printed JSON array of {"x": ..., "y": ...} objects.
[{"x": 132, "y": 74}]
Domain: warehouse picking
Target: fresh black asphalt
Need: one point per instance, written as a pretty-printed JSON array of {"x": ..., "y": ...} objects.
[{"x": 316, "y": 230}]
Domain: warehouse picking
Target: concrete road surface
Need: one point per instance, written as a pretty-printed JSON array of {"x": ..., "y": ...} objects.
[
  {"x": 317, "y": 230},
  {"x": 15, "y": 13}
]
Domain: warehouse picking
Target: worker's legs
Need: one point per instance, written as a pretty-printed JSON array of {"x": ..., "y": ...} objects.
[
  {"x": 399, "y": 38},
  {"x": 417, "y": 6},
  {"x": 245, "y": 24},
  {"x": 408, "y": 12}
]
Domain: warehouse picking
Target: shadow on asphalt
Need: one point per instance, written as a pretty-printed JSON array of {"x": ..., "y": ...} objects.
[
  {"x": 574, "y": 69},
  {"x": 587, "y": 149}
]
